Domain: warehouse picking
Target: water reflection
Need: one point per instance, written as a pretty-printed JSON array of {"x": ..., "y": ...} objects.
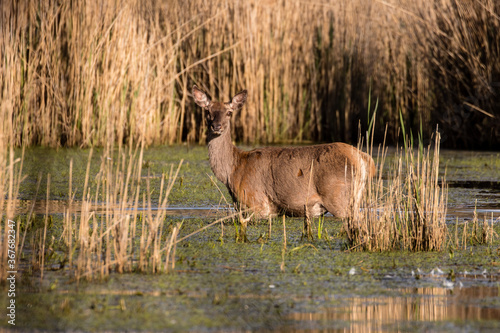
[{"x": 367, "y": 314}]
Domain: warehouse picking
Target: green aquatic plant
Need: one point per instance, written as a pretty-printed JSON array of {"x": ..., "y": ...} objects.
[{"x": 321, "y": 222}]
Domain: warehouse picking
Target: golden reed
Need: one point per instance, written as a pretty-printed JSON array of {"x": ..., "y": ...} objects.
[{"x": 74, "y": 71}]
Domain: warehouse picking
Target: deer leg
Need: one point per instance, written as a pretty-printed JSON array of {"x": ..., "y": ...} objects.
[
  {"x": 242, "y": 236},
  {"x": 269, "y": 218}
]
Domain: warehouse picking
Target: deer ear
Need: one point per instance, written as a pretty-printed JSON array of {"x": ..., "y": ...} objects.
[
  {"x": 200, "y": 97},
  {"x": 238, "y": 100}
]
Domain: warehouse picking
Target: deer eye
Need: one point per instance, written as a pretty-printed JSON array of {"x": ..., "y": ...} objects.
[{"x": 229, "y": 113}]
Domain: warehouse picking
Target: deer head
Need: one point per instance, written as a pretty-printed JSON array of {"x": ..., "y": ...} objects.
[{"x": 218, "y": 114}]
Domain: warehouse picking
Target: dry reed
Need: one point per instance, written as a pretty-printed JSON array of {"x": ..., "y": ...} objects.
[
  {"x": 71, "y": 69},
  {"x": 482, "y": 231},
  {"x": 408, "y": 211},
  {"x": 129, "y": 235},
  {"x": 11, "y": 177}
]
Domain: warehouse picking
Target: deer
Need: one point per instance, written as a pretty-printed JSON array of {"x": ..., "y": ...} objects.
[{"x": 304, "y": 181}]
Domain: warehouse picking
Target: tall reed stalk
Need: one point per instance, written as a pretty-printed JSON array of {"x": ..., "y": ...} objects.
[
  {"x": 11, "y": 177},
  {"x": 129, "y": 235},
  {"x": 408, "y": 211},
  {"x": 71, "y": 68}
]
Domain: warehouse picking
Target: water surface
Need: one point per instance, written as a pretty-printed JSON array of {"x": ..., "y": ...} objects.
[{"x": 221, "y": 285}]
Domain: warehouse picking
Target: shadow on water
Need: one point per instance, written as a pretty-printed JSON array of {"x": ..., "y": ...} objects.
[{"x": 493, "y": 186}]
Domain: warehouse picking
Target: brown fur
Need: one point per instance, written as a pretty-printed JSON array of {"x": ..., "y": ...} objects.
[{"x": 277, "y": 180}]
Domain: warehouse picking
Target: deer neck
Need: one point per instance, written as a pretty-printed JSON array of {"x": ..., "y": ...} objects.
[{"x": 223, "y": 156}]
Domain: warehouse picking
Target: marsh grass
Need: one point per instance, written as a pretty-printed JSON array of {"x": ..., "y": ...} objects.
[
  {"x": 473, "y": 232},
  {"x": 72, "y": 71},
  {"x": 130, "y": 235},
  {"x": 482, "y": 232},
  {"x": 405, "y": 212},
  {"x": 11, "y": 176}
]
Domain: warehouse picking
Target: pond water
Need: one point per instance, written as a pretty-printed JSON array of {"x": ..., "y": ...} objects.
[
  {"x": 221, "y": 285},
  {"x": 406, "y": 312}
]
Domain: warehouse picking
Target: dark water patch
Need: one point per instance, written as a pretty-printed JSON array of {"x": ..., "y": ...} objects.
[
  {"x": 466, "y": 212},
  {"x": 475, "y": 184}
]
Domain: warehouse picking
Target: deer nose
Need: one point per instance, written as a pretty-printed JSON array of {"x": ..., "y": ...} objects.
[{"x": 216, "y": 127}]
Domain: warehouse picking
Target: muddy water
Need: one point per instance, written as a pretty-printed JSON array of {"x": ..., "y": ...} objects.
[{"x": 220, "y": 285}]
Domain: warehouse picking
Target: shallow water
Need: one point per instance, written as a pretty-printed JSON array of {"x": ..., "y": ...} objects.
[
  {"x": 61, "y": 207},
  {"x": 221, "y": 285},
  {"x": 412, "y": 309}
]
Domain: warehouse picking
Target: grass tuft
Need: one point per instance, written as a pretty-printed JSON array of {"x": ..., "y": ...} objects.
[
  {"x": 130, "y": 234},
  {"x": 405, "y": 212}
]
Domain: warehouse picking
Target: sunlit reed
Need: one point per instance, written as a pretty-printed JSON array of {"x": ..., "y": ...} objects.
[
  {"x": 408, "y": 210},
  {"x": 73, "y": 71},
  {"x": 130, "y": 234}
]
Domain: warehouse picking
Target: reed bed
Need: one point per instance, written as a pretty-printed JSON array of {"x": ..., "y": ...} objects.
[
  {"x": 119, "y": 225},
  {"x": 71, "y": 69},
  {"x": 406, "y": 212},
  {"x": 481, "y": 232},
  {"x": 11, "y": 176},
  {"x": 129, "y": 235}
]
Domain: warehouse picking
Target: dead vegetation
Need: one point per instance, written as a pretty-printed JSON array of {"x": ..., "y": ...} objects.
[
  {"x": 70, "y": 69},
  {"x": 405, "y": 211}
]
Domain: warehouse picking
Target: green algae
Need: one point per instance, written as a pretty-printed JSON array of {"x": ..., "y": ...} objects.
[
  {"x": 219, "y": 284},
  {"x": 194, "y": 186}
]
